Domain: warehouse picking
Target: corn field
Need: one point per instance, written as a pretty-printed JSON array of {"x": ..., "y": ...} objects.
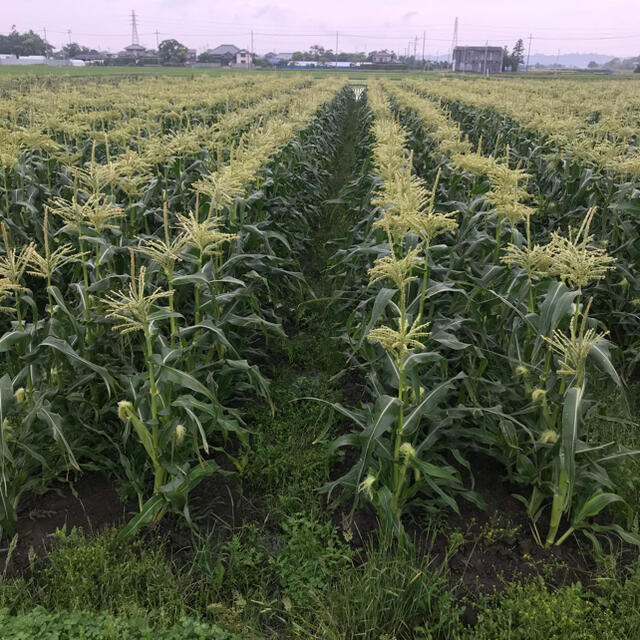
[{"x": 479, "y": 287}]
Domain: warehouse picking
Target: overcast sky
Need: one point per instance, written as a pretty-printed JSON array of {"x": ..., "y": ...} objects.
[{"x": 585, "y": 26}]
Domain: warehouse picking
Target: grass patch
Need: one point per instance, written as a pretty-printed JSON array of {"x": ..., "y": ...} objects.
[
  {"x": 535, "y": 611},
  {"x": 63, "y": 625},
  {"x": 101, "y": 574}
]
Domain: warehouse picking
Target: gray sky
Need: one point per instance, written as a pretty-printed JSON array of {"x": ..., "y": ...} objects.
[{"x": 586, "y": 26}]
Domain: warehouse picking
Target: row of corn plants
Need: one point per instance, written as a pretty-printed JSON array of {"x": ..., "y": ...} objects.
[
  {"x": 190, "y": 295},
  {"x": 499, "y": 331},
  {"x": 595, "y": 121},
  {"x": 541, "y": 296},
  {"x": 169, "y": 143},
  {"x": 568, "y": 181},
  {"x": 401, "y": 435}
]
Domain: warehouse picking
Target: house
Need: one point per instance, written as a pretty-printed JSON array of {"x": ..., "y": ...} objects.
[
  {"x": 478, "y": 59},
  {"x": 243, "y": 59},
  {"x": 382, "y": 57},
  {"x": 133, "y": 51},
  {"x": 285, "y": 57},
  {"x": 224, "y": 55},
  {"x": 192, "y": 55}
]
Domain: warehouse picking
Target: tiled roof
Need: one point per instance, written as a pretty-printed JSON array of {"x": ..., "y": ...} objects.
[{"x": 224, "y": 49}]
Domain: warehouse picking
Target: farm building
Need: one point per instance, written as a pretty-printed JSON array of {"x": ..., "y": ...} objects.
[
  {"x": 225, "y": 54},
  {"x": 478, "y": 59},
  {"x": 382, "y": 57}
]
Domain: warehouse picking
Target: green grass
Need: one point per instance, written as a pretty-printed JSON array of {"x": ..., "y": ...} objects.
[
  {"x": 100, "y": 574},
  {"x": 536, "y": 611},
  {"x": 62, "y": 625}
]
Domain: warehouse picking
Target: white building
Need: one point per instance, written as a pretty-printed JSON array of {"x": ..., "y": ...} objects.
[{"x": 243, "y": 59}]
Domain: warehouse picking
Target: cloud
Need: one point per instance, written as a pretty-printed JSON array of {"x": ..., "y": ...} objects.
[
  {"x": 274, "y": 13},
  {"x": 409, "y": 16}
]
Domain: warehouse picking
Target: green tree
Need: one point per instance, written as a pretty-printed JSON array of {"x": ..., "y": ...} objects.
[
  {"x": 24, "y": 44},
  {"x": 317, "y": 52},
  {"x": 517, "y": 55},
  {"x": 206, "y": 57},
  {"x": 74, "y": 50},
  {"x": 506, "y": 59},
  {"x": 172, "y": 52}
]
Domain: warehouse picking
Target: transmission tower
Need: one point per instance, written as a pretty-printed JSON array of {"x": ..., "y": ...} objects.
[
  {"x": 134, "y": 28},
  {"x": 454, "y": 40}
]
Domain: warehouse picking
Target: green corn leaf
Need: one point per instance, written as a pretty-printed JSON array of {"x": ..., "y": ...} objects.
[
  {"x": 150, "y": 511},
  {"x": 186, "y": 380},
  {"x": 55, "y": 422},
  {"x": 64, "y": 348},
  {"x": 12, "y": 338},
  {"x": 593, "y": 506},
  {"x": 570, "y": 426},
  {"x": 383, "y": 298},
  {"x": 427, "y": 404},
  {"x": 600, "y": 352}
]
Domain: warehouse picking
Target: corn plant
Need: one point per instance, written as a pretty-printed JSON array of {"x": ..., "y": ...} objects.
[{"x": 399, "y": 458}]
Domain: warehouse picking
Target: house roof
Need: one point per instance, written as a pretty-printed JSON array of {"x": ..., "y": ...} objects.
[
  {"x": 135, "y": 47},
  {"x": 244, "y": 51},
  {"x": 224, "y": 49},
  {"x": 477, "y": 49}
]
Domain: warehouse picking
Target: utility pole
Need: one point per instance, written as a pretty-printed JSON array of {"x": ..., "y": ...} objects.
[
  {"x": 415, "y": 48},
  {"x": 157, "y": 39},
  {"x": 454, "y": 40},
  {"x": 486, "y": 53},
  {"x": 251, "y": 52},
  {"x": 69, "y": 35},
  {"x": 336, "y": 56},
  {"x": 529, "y": 52},
  {"x": 424, "y": 39}
]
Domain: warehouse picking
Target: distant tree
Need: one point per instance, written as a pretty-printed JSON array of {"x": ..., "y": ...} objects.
[
  {"x": 74, "y": 50},
  {"x": 206, "y": 57},
  {"x": 296, "y": 56},
  {"x": 593, "y": 65},
  {"x": 637, "y": 69},
  {"x": 24, "y": 44},
  {"x": 517, "y": 55},
  {"x": 317, "y": 52},
  {"x": 506, "y": 59},
  {"x": 259, "y": 61},
  {"x": 172, "y": 52}
]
